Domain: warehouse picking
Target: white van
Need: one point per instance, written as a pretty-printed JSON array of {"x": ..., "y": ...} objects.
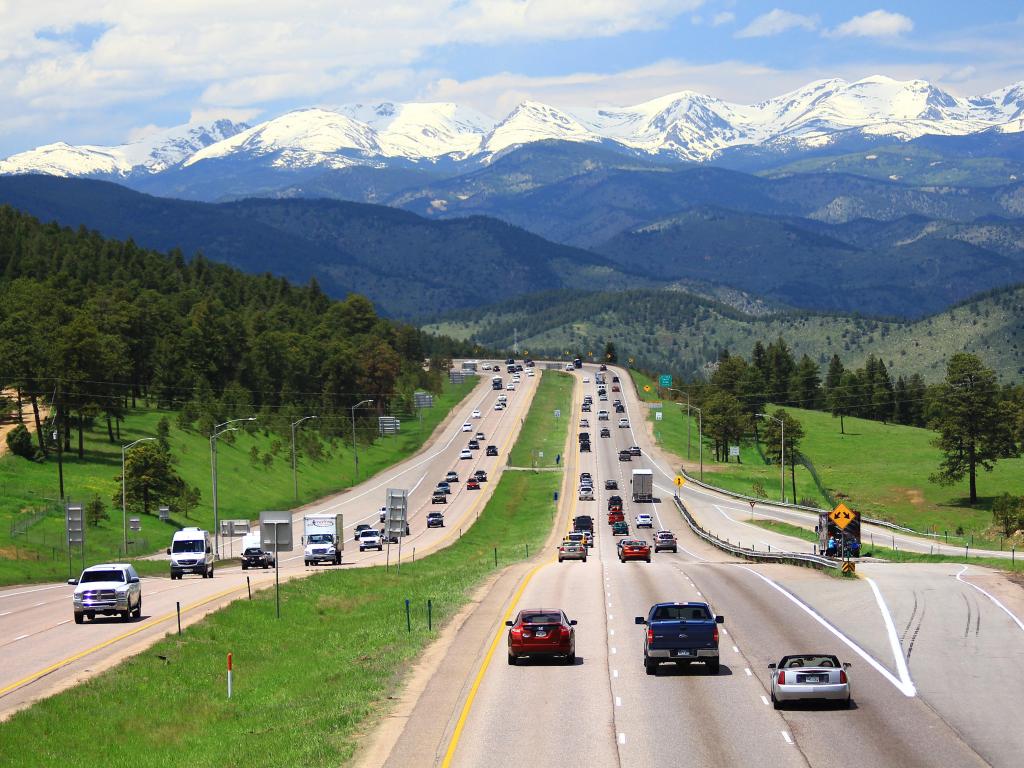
[{"x": 191, "y": 551}]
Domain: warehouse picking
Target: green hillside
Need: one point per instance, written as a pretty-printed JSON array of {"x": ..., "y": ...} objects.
[{"x": 682, "y": 334}]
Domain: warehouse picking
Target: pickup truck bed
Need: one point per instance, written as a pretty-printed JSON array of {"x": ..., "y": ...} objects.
[{"x": 681, "y": 633}]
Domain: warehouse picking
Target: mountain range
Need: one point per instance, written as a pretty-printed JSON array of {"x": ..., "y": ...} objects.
[{"x": 680, "y": 127}]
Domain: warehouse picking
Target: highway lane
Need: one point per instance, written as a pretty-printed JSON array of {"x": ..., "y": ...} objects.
[
  {"x": 692, "y": 718},
  {"x": 44, "y": 651}
]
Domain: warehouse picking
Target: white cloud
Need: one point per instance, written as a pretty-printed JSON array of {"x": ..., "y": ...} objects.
[
  {"x": 777, "y": 21},
  {"x": 725, "y": 17},
  {"x": 874, "y": 24}
]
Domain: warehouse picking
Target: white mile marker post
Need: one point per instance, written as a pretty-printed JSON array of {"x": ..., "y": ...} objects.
[{"x": 229, "y": 675}]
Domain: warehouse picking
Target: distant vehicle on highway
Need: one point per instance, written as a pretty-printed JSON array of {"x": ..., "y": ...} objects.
[
  {"x": 681, "y": 633},
  {"x": 359, "y": 529},
  {"x": 473, "y": 445},
  {"x": 492, "y": 450},
  {"x": 465, "y": 453},
  {"x": 370, "y": 539},
  {"x": 572, "y": 550},
  {"x": 253, "y": 554},
  {"x": 634, "y": 549},
  {"x": 611, "y": 485},
  {"x": 810, "y": 677},
  {"x": 643, "y": 520},
  {"x": 583, "y": 523},
  {"x": 475, "y": 414},
  {"x": 625, "y": 455},
  {"x": 435, "y": 520},
  {"x": 444, "y": 486},
  {"x": 110, "y": 589},
  {"x": 665, "y": 540},
  {"x": 536, "y": 633},
  {"x": 472, "y": 484},
  {"x": 467, "y": 427},
  {"x": 451, "y": 477},
  {"x": 511, "y": 387},
  {"x": 586, "y": 493},
  {"x": 585, "y": 446},
  {"x": 439, "y": 497},
  {"x": 480, "y": 476},
  {"x": 623, "y": 423},
  {"x": 605, "y": 432},
  {"x": 322, "y": 539},
  {"x": 620, "y": 528},
  {"x": 634, "y": 450},
  {"x": 191, "y": 551}
]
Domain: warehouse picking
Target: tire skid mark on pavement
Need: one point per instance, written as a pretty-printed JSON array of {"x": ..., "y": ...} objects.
[{"x": 990, "y": 596}]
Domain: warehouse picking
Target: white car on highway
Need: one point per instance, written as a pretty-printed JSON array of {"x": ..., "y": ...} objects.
[
  {"x": 467, "y": 427},
  {"x": 624, "y": 423},
  {"x": 586, "y": 493},
  {"x": 511, "y": 386},
  {"x": 810, "y": 676},
  {"x": 476, "y": 413},
  {"x": 643, "y": 520},
  {"x": 465, "y": 453}
]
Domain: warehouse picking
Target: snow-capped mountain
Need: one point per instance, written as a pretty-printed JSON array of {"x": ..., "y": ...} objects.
[
  {"x": 151, "y": 154},
  {"x": 687, "y": 126}
]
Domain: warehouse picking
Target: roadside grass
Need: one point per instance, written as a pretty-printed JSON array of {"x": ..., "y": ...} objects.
[
  {"x": 882, "y": 470},
  {"x": 542, "y": 432},
  {"x": 869, "y": 549},
  {"x": 641, "y": 380},
  {"x": 245, "y": 487},
  {"x": 307, "y": 686}
]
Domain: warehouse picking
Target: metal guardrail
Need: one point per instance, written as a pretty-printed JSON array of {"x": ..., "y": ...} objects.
[
  {"x": 800, "y": 558},
  {"x": 801, "y": 507}
]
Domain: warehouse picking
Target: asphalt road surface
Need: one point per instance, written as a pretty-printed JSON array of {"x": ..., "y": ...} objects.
[
  {"x": 937, "y": 654},
  {"x": 43, "y": 650}
]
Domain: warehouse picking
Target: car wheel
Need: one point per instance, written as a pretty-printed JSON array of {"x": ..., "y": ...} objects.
[
  {"x": 713, "y": 666},
  {"x": 265, "y": 566},
  {"x": 307, "y": 563},
  {"x": 79, "y": 618},
  {"x": 570, "y": 658},
  {"x": 511, "y": 659},
  {"x": 245, "y": 566},
  {"x": 776, "y": 704},
  {"x": 584, "y": 559},
  {"x": 559, "y": 559},
  {"x": 651, "y": 667},
  {"x": 211, "y": 571},
  {"x": 648, "y": 559},
  {"x": 138, "y": 609},
  {"x": 849, "y": 703},
  {"x": 126, "y": 615}
]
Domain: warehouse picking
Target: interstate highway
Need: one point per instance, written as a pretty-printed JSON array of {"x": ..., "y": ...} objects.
[
  {"x": 937, "y": 666},
  {"x": 44, "y": 651}
]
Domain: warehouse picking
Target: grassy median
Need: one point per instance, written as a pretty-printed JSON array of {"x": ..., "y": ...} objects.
[
  {"x": 544, "y": 433},
  {"x": 307, "y": 685}
]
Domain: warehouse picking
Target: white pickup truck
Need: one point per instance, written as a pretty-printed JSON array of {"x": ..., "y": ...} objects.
[
  {"x": 370, "y": 538},
  {"x": 111, "y": 589}
]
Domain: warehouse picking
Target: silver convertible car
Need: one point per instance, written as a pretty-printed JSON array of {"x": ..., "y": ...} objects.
[{"x": 810, "y": 676}]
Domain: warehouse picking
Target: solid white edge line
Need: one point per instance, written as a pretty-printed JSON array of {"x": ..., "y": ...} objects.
[
  {"x": 906, "y": 688},
  {"x": 990, "y": 596},
  {"x": 747, "y": 670},
  {"x": 890, "y": 628}
]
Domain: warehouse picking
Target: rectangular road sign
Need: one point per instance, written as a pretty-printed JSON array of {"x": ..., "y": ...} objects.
[
  {"x": 734, "y": 450},
  {"x": 276, "y": 531},
  {"x": 664, "y": 380},
  {"x": 397, "y": 503}
]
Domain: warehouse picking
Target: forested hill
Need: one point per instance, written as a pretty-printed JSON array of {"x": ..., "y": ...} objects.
[
  {"x": 99, "y": 322},
  {"x": 407, "y": 265}
]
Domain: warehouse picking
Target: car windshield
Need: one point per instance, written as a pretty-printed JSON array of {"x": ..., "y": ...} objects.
[
  {"x": 681, "y": 613},
  {"x": 105, "y": 575},
  {"x": 188, "y": 545},
  {"x": 810, "y": 660},
  {"x": 542, "y": 618},
  {"x": 320, "y": 538}
]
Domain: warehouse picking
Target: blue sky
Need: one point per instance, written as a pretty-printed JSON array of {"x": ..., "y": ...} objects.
[{"x": 107, "y": 73}]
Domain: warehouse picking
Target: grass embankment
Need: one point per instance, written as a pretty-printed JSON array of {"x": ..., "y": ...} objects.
[
  {"x": 897, "y": 555},
  {"x": 542, "y": 432},
  {"x": 306, "y": 685},
  {"x": 883, "y": 469},
  {"x": 245, "y": 487}
]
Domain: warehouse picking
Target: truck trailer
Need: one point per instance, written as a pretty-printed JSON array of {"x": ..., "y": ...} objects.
[{"x": 643, "y": 485}]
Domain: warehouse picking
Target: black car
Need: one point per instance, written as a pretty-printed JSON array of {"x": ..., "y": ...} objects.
[
  {"x": 605, "y": 432},
  {"x": 615, "y": 379},
  {"x": 473, "y": 445},
  {"x": 586, "y": 408},
  {"x": 625, "y": 455},
  {"x": 620, "y": 409},
  {"x": 585, "y": 447},
  {"x": 254, "y": 557},
  {"x": 611, "y": 485},
  {"x": 583, "y": 523},
  {"x": 584, "y": 437},
  {"x": 435, "y": 520},
  {"x": 439, "y": 497},
  {"x": 634, "y": 450},
  {"x": 614, "y": 501},
  {"x": 480, "y": 476},
  {"x": 492, "y": 450}
]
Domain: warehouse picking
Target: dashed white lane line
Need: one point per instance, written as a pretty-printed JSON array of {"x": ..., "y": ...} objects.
[
  {"x": 735, "y": 649},
  {"x": 610, "y": 617},
  {"x": 764, "y": 700},
  {"x": 699, "y": 593},
  {"x": 611, "y": 631},
  {"x": 38, "y": 604},
  {"x": 19, "y": 637},
  {"x": 609, "y": 605},
  {"x": 622, "y": 738},
  {"x": 614, "y": 649},
  {"x": 747, "y": 670},
  {"x": 725, "y": 631},
  {"x": 618, "y": 701},
  {"x": 787, "y": 737},
  {"x": 615, "y": 673}
]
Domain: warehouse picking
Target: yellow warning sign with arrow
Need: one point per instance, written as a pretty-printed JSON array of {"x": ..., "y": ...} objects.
[{"x": 842, "y": 516}]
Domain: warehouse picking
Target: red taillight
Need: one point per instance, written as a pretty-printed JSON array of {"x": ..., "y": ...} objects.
[
  {"x": 782, "y": 677},
  {"x": 566, "y": 631},
  {"x": 650, "y": 635},
  {"x": 714, "y": 635},
  {"x": 516, "y": 632},
  {"x": 842, "y": 676}
]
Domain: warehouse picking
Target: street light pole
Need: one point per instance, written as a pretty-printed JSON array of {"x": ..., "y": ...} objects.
[
  {"x": 124, "y": 495},
  {"x": 355, "y": 449},
  {"x": 672, "y": 389},
  {"x": 782, "y": 463},
  {"x": 700, "y": 434},
  {"x": 217, "y": 432},
  {"x": 295, "y": 476}
]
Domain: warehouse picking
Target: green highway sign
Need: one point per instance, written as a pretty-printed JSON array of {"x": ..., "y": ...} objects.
[{"x": 664, "y": 380}]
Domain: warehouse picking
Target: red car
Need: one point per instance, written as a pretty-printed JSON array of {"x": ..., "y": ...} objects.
[
  {"x": 634, "y": 549},
  {"x": 472, "y": 484},
  {"x": 615, "y": 516},
  {"x": 542, "y": 633}
]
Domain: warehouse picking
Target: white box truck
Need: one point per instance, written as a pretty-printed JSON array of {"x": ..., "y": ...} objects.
[
  {"x": 643, "y": 485},
  {"x": 191, "y": 551},
  {"x": 322, "y": 538}
]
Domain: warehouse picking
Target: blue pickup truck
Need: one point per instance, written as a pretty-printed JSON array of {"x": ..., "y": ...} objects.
[{"x": 681, "y": 633}]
